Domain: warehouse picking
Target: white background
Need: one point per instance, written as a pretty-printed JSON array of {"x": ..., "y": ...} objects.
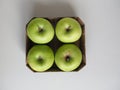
[{"x": 102, "y": 20}]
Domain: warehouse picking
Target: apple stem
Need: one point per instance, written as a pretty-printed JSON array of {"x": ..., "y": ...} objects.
[
  {"x": 68, "y": 28},
  {"x": 40, "y": 29}
]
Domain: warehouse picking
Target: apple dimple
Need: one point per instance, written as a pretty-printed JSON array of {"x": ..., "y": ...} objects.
[
  {"x": 67, "y": 58},
  {"x": 40, "y": 59},
  {"x": 68, "y": 28},
  {"x": 40, "y": 29}
]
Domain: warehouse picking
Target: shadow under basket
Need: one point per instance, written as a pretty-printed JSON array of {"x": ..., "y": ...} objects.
[{"x": 55, "y": 44}]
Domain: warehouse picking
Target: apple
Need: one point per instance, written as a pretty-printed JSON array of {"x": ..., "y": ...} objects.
[
  {"x": 68, "y": 30},
  {"x": 68, "y": 57},
  {"x": 40, "y": 30},
  {"x": 40, "y": 58}
]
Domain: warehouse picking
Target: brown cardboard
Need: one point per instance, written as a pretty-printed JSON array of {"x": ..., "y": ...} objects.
[{"x": 55, "y": 44}]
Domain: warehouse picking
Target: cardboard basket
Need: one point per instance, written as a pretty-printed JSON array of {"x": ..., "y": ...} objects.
[{"x": 55, "y": 44}]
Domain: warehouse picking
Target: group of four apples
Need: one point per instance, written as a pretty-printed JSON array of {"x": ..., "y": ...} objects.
[{"x": 41, "y": 57}]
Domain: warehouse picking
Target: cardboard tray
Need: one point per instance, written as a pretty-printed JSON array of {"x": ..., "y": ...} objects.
[{"x": 55, "y": 44}]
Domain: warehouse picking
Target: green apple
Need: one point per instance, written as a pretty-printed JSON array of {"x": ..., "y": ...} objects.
[
  {"x": 68, "y": 30},
  {"x": 40, "y": 58},
  {"x": 40, "y": 30},
  {"x": 68, "y": 57}
]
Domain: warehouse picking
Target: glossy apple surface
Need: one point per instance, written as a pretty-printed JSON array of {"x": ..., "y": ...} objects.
[
  {"x": 40, "y": 30},
  {"x": 68, "y": 30},
  {"x": 40, "y": 58},
  {"x": 68, "y": 57}
]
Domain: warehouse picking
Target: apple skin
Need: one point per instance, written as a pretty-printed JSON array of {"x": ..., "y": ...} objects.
[
  {"x": 68, "y": 57},
  {"x": 40, "y": 30},
  {"x": 68, "y": 30},
  {"x": 40, "y": 58}
]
